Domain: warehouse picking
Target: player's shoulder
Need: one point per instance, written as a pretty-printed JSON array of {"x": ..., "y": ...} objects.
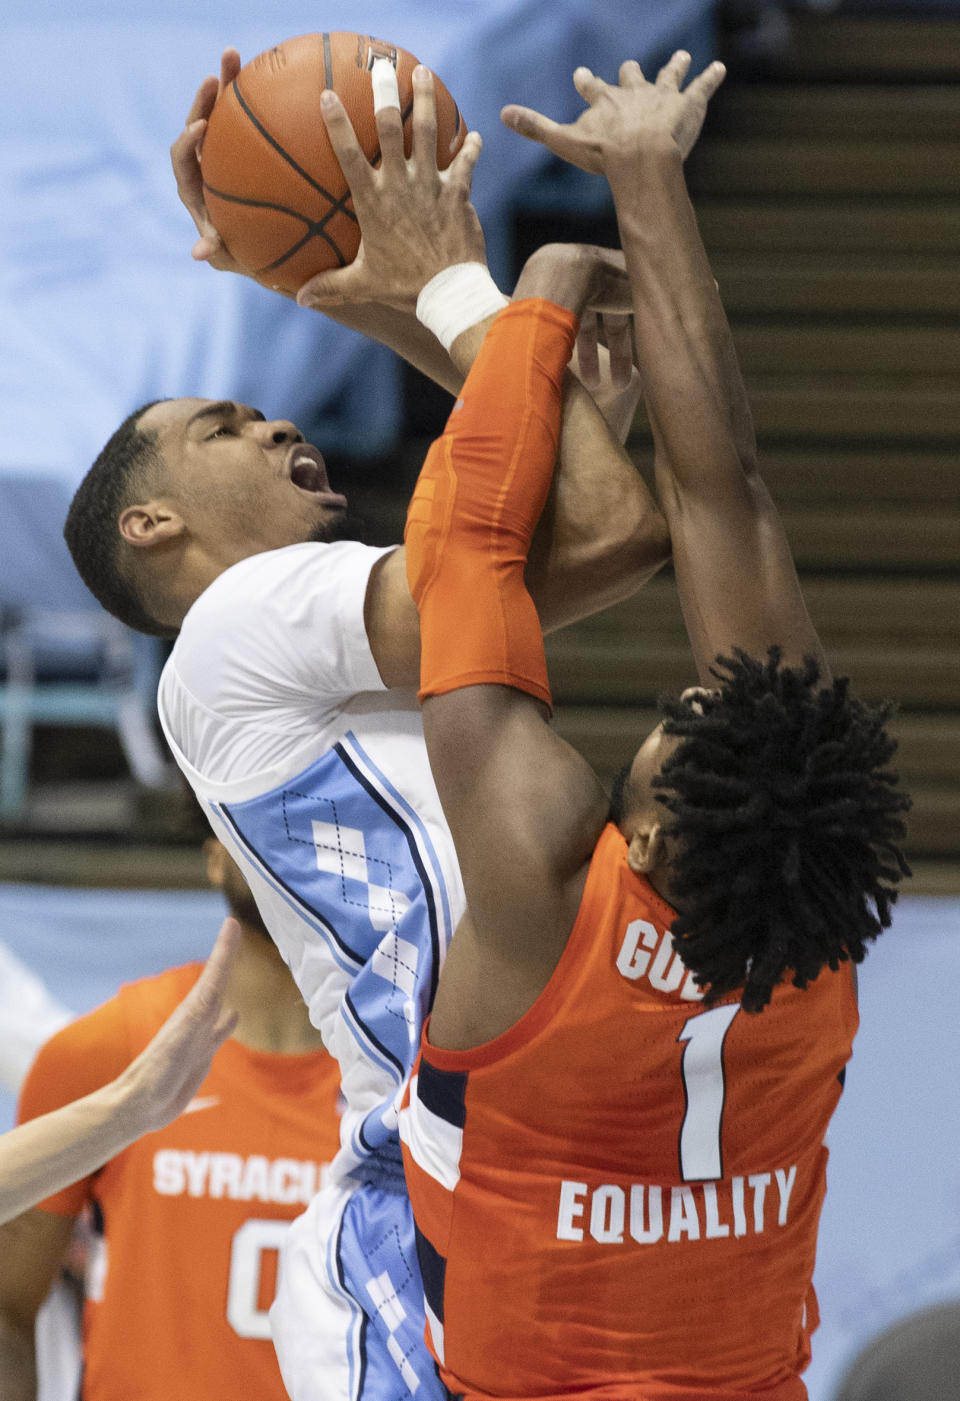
[
  {"x": 147, "y": 1002},
  {"x": 95, "y": 1047},
  {"x": 276, "y": 580},
  {"x": 259, "y": 618},
  {"x": 131, "y": 1016}
]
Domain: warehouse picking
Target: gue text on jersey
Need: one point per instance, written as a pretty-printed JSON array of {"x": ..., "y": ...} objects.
[{"x": 648, "y": 953}]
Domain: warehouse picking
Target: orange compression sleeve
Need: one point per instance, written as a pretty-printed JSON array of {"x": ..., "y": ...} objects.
[{"x": 477, "y": 502}]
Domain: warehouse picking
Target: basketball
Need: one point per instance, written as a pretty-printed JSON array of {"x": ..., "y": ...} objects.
[{"x": 272, "y": 184}]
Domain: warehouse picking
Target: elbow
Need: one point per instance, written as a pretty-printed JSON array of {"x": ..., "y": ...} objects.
[
  {"x": 642, "y": 549},
  {"x": 604, "y": 572}
]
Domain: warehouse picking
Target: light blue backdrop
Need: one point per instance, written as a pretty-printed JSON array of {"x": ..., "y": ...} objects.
[{"x": 101, "y": 306}]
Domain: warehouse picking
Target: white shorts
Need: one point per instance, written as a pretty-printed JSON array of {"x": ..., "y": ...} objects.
[{"x": 348, "y": 1319}]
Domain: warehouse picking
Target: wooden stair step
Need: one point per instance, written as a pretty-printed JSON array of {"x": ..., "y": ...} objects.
[
  {"x": 864, "y": 285},
  {"x": 880, "y": 607},
  {"x": 865, "y": 112},
  {"x": 859, "y": 409},
  {"x": 590, "y": 670},
  {"x": 898, "y": 539},
  {"x": 822, "y": 349},
  {"x": 847, "y": 476},
  {"x": 873, "y": 48},
  {"x": 933, "y": 822},
  {"x": 933, "y": 875},
  {"x": 608, "y": 736},
  {"x": 794, "y": 167},
  {"x": 788, "y": 227}
]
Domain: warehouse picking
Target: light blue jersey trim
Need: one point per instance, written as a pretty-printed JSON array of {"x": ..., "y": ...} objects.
[
  {"x": 414, "y": 818},
  {"x": 358, "y": 1325},
  {"x": 344, "y": 957},
  {"x": 356, "y": 866}
]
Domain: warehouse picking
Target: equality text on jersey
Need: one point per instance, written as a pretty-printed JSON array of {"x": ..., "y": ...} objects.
[{"x": 614, "y": 1214}]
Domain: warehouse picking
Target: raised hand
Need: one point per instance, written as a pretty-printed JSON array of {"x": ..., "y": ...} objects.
[
  {"x": 592, "y": 282},
  {"x": 415, "y": 220},
  {"x": 167, "y": 1073},
  {"x": 621, "y": 119},
  {"x": 612, "y": 334},
  {"x": 185, "y": 159}
]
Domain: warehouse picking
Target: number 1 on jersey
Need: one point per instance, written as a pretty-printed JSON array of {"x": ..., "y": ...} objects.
[{"x": 704, "y": 1089}]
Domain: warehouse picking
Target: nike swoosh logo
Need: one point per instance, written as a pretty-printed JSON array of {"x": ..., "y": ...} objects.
[{"x": 201, "y": 1102}]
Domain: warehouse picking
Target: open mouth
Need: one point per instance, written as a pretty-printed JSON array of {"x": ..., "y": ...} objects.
[{"x": 308, "y": 472}]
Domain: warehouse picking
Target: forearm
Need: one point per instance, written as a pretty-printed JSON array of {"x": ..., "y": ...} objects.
[
  {"x": 735, "y": 575},
  {"x": 601, "y": 535},
  {"x": 18, "y": 1366},
  {"x": 47, "y": 1154},
  {"x": 695, "y": 396},
  {"x": 477, "y": 502},
  {"x": 402, "y": 333}
]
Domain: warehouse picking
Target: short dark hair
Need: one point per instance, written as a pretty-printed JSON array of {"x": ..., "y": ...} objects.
[
  {"x": 113, "y": 482},
  {"x": 785, "y": 820}
]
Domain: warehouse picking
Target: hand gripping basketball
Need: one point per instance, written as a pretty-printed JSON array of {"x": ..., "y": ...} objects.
[
  {"x": 415, "y": 219},
  {"x": 185, "y": 159}
]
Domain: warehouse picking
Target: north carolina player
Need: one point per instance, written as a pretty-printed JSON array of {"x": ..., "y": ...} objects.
[
  {"x": 274, "y": 702},
  {"x": 614, "y": 1135},
  {"x": 189, "y": 1220}
]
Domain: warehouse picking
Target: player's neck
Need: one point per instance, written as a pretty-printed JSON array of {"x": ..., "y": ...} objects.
[
  {"x": 659, "y": 879},
  {"x": 184, "y": 575},
  {"x": 272, "y": 1014}
]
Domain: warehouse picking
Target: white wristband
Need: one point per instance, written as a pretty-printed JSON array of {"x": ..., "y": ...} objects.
[{"x": 456, "y": 299}]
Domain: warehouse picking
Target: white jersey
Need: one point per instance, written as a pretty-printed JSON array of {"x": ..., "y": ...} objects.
[{"x": 316, "y": 778}]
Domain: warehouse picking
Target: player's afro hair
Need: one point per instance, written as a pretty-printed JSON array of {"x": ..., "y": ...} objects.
[
  {"x": 786, "y": 822},
  {"x": 90, "y": 530}
]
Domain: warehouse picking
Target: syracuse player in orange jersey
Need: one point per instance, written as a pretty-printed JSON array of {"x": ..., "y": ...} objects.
[
  {"x": 192, "y": 1216},
  {"x": 613, "y": 1138}
]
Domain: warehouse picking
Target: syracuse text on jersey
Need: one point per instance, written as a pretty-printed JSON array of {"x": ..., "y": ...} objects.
[{"x": 181, "y": 1172}]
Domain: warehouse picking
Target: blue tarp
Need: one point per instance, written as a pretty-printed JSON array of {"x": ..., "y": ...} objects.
[{"x": 101, "y": 306}]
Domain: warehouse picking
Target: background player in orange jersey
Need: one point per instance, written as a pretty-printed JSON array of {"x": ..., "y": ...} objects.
[
  {"x": 61, "y": 1146},
  {"x": 190, "y": 1218},
  {"x": 616, "y": 1170}
]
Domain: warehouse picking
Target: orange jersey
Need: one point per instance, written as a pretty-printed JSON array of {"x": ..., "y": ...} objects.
[
  {"x": 193, "y": 1215},
  {"x": 619, "y": 1196}
]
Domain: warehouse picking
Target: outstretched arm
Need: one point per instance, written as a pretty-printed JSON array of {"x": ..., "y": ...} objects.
[
  {"x": 524, "y": 809},
  {"x": 45, "y": 1155},
  {"x": 735, "y": 574}
]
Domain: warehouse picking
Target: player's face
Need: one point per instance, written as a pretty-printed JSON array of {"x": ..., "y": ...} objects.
[{"x": 243, "y": 483}]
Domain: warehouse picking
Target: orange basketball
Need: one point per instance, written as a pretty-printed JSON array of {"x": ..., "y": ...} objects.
[{"x": 272, "y": 184}]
